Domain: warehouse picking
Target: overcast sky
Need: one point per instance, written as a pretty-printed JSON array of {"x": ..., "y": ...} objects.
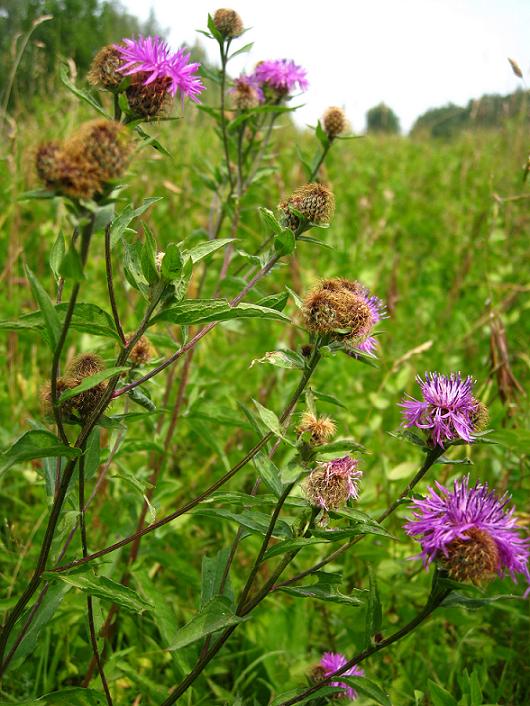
[{"x": 411, "y": 54}]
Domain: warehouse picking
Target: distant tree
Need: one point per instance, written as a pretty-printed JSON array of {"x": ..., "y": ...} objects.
[
  {"x": 442, "y": 122},
  {"x": 381, "y": 118},
  {"x": 78, "y": 29}
]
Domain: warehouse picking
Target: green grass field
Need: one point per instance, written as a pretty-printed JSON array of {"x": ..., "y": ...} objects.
[{"x": 439, "y": 231}]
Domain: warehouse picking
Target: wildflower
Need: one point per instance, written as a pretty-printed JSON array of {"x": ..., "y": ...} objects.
[
  {"x": 246, "y": 93},
  {"x": 228, "y": 22},
  {"x": 156, "y": 71},
  {"x": 333, "y": 483},
  {"x": 282, "y": 75},
  {"x": 334, "y": 122},
  {"x": 448, "y": 408},
  {"x": 84, "y": 366},
  {"x": 104, "y": 69},
  {"x": 142, "y": 352},
  {"x": 330, "y": 663},
  {"x": 104, "y": 143},
  {"x": 320, "y": 429},
  {"x": 471, "y": 531},
  {"x": 315, "y": 202},
  {"x": 345, "y": 310},
  {"x": 63, "y": 384},
  {"x": 48, "y": 162}
]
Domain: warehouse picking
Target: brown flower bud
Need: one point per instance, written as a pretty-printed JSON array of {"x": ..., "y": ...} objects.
[
  {"x": 103, "y": 71},
  {"x": 314, "y": 201},
  {"x": 228, "y": 23},
  {"x": 340, "y": 312},
  {"x": 320, "y": 429},
  {"x": 142, "y": 352},
  {"x": 334, "y": 122}
]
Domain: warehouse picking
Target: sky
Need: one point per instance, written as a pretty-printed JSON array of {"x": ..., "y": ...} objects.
[{"x": 411, "y": 54}]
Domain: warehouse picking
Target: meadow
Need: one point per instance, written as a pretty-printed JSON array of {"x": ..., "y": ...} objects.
[{"x": 438, "y": 230}]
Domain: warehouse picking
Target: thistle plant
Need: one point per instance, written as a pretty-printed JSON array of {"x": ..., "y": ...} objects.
[{"x": 128, "y": 375}]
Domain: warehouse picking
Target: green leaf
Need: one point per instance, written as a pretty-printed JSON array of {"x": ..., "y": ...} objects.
[
  {"x": 374, "y": 614},
  {"x": 321, "y": 137},
  {"x": 290, "y": 545},
  {"x": 271, "y": 221},
  {"x": 148, "y": 257},
  {"x": 271, "y": 421},
  {"x": 336, "y": 535},
  {"x": 199, "y": 252},
  {"x": 104, "y": 588},
  {"x": 172, "y": 262},
  {"x": 285, "y": 242},
  {"x": 439, "y": 696},
  {"x": 275, "y": 301},
  {"x": 56, "y": 255},
  {"x": 325, "y": 589},
  {"x": 254, "y": 521},
  {"x": 331, "y": 399},
  {"x": 141, "y": 398},
  {"x": 216, "y": 615},
  {"x": 71, "y": 267},
  {"x": 269, "y": 473},
  {"x": 152, "y": 141},
  {"x": 80, "y": 93},
  {"x": 243, "y": 50},
  {"x": 73, "y": 696},
  {"x": 282, "y": 359},
  {"x": 214, "y": 31},
  {"x": 51, "y": 320},
  {"x": 87, "y": 318},
  {"x": 36, "y": 444},
  {"x": 194, "y": 311},
  {"x": 92, "y": 381},
  {"x": 121, "y": 223},
  {"x": 212, "y": 574},
  {"x": 366, "y": 687}
]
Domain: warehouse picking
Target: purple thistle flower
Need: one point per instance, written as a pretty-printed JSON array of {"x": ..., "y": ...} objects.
[
  {"x": 330, "y": 662},
  {"x": 447, "y": 409},
  {"x": 333, "y": 483},
  {"x": 378, "y": 311},
  {"x": 151, "y": 55},
  {"x": 282, "y": 74},
  {"x": 447, "y": 520},
  {"x": 248, "y": 82}
]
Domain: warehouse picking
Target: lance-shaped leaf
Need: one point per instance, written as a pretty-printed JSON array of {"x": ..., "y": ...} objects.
[
  {"x": 104, "y": 588},
  {"x": 195, "y": 311},
  {"x": 92, "y": 381},
  {"x": 216, "y": 615},
  {"x": 37, "y": 443},
  {"x": 326, "y": 589},
  {"x": 51, "y": 320}
]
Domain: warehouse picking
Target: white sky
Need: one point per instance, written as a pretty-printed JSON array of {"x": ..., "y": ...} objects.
[{"x": 411, "y": 54}]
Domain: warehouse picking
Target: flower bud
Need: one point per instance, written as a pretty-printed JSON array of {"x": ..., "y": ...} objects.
[
  {"x": 142, "y": 352},
  {"x": 48, "y": 162},
  {"x": 85, "y": 365},
  {"x": 228, "y": 23},
  {"x": 106, "y": 144},
  {"x": 151, "y": 100},
  {"x": 245, "y": 95},
  {"x": 473, "y": 559},
  {"x": 333, "y": 483},
  {"x": 63, "y": 384},
  {"x": 320, "y": 429},
  {"x": 334, "y": 122},
  {"x": 103, "y": 72},
  {"x": 339, "y": 312},
  {"x": 314, "y": 201}
]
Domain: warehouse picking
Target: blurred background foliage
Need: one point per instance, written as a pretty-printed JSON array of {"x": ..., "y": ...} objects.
[{"x": 438, "y": 229}]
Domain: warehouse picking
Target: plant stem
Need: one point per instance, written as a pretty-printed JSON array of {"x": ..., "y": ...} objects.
[
  {"x": 110, "y": 286},
  {"x": 432, "y": 604},
  {"x": 224, "y": 53},
  {"x": 90, "y": 609},
  {"x": 430, "y": 459}
]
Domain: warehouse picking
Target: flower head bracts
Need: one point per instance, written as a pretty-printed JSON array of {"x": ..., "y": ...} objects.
[
  {"x": 330, "y": 662},
  {"x": 378, "y": 312},
  {"x": 443, "y": 520},
  {"x": 333, "y": 483},
  {"x": 448, "y": 408},
  {"x": 151, "y": 55},
  {"x": 281, "y": 74}
]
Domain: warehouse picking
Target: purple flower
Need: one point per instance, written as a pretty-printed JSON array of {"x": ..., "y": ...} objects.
[
  {"x": 450, "y": 522},
  {"x": 378, "y": 311},
  {"x": 448, "y": 407},
  {"x": 330, "y": 662},
  {"x": 281, "y": 74},
  {"x": 248, "y": 83},
  {"x": 333, "y": 483},
  {"x": 151, "y": 55}
]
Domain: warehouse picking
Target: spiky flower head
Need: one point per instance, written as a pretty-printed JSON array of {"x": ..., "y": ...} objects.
[
  {"x": 48, "y": 162},
  {"x": 246, "y": 93},
  {"x": 282, "y": 75},
  {"x": 104, "y": 69},
  {"x": 81, "y": 367},
  {"x": 78, "y": 176},
  {"x": 150, "y": 59},
  {"x": 142, "y": 352},
  {"x": 314, "y": 201},
  {"x": 85, "y": 365},
  {"x": 448, "y": 409},
  {"x": 471, "y": 530},
  {"x": 334, "y": 122},
  {"x": 332, "y": 483},
  {"x": 105, "y": 143},
  {"x": 330, "y": 663},
  {"x": 320, "y": 429},
  {"x": 480, "y": 417},
  {"x": 63, "y": 384},
  {"x": 228, "y": 23},
  {"x": 345, "y": 310}
]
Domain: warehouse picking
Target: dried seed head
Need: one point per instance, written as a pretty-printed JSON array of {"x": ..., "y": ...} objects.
[
  {"x": 245, "y": 96},
  {"x": 321, "y": 429},
  {"x": 314, "y": 201},
  {"x": 334, "y": 122},
  {"x": 142, "y": 352},
  {"x": 333, "y": 483},
  {"x": 86, "y": 402},
  {"x": 480, "y": 417},
  {"x": 149, "y": 101},
  {"x": 63, "y": 384},
  {"x": 48, "y": 162},
  {"x": 339, "y": 312},
  {"x": 473, "y": 559},
  {"x": 515, "y": 68},
  {"x": 85, "y": 365},
  {"x": 158, "y": 260},
  {"x": 228, "y": 22},
  {"x": 78, "y": 176},
  {"x": 105, "y": 143},
  {"x": 103, "y": 71}
]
